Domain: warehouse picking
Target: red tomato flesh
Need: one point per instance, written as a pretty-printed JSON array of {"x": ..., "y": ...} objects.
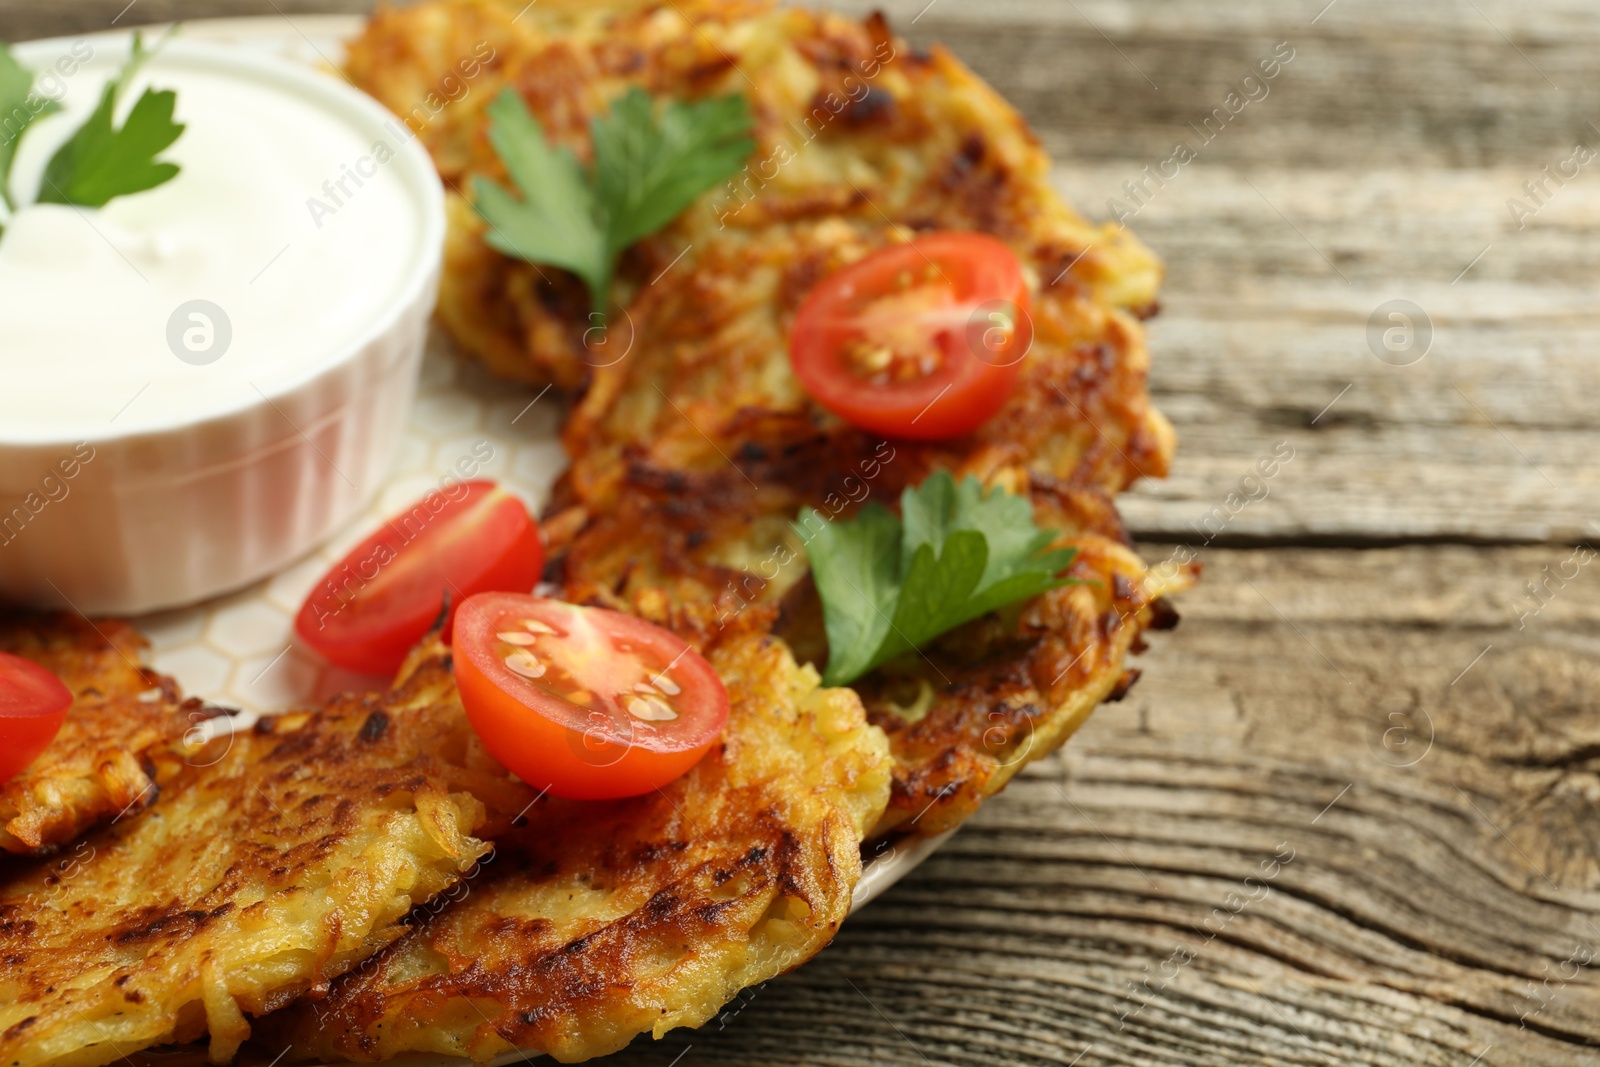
[
  {"x": 585, "y": 703},
  {"x": 922, "y": 340},
  {"x": 33, "y": 705},
  {"x": 369, "y": 610}
]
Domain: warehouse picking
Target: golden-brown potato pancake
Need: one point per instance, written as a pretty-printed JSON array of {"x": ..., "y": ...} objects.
[
  {"x": 277, "y": 859},
  {"x": 595, "y": 922},
  {"x": 991, "y": 697},
  {"x": 853, "y": 124},
  {"x": 123, "y": 736},
  {"x": 693, "y": 551}
]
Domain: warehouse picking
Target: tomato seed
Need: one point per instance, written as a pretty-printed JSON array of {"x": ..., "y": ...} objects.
[
  {"x": 649, "y": 709},
  {"x": 523, "y": 662}
]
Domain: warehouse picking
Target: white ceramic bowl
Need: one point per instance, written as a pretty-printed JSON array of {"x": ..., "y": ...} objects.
[{"x": 126, "y": 517}]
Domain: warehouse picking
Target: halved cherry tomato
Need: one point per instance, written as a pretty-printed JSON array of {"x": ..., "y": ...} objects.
[
  {"x": 922, "y": 340},
  {"x": 382, "y": 598},
  {"x": 584, "y": 702},
  {"x": 33, "y": 705}
]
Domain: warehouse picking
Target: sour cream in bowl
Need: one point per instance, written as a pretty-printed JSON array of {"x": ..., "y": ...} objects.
[{"x": 200, "y": 381}]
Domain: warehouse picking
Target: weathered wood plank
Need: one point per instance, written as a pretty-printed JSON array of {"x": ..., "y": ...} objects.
[
  {"x": 1394, "y": 84},
  {"x": 1488, "y": 436},
  {"x": 24, "y": 20},
  {"x": 1431, "y": 890}
]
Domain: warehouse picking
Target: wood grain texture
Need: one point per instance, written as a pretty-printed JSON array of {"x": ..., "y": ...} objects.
[
  {"x": 1412, "y": 722},
  {"x": 25, "y": 20},
  {"x": 1488, "y": 437}
]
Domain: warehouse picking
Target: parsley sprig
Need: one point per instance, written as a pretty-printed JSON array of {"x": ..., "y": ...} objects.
[
  {"x": 892, "y": 583},
  {"x": 647, "y": 170},
  {"x": 101, "y": 160}
]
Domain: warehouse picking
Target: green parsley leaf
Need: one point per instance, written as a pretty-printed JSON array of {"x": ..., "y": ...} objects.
[
  {"x": 100, "y": 161},
  {"x": 16, "y": 114},
  {"x": 856, "y": 567},
  {"x": 891, "y": 584},
  {"x": 646, "y": 172},
  {"x": 556, "y": 222}
]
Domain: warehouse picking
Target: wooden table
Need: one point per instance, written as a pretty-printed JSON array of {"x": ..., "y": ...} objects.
[{"x": 1349, "y": 815}]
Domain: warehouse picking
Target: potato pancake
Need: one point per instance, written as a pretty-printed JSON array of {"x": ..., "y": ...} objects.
[
  {"x": 276, "y": 859},
  {"x": 853, "y": 124},
  {"x": 962, "y": 716},
  {"x": 123, "y": 737},
  {"x": 596, "y": 921}
]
